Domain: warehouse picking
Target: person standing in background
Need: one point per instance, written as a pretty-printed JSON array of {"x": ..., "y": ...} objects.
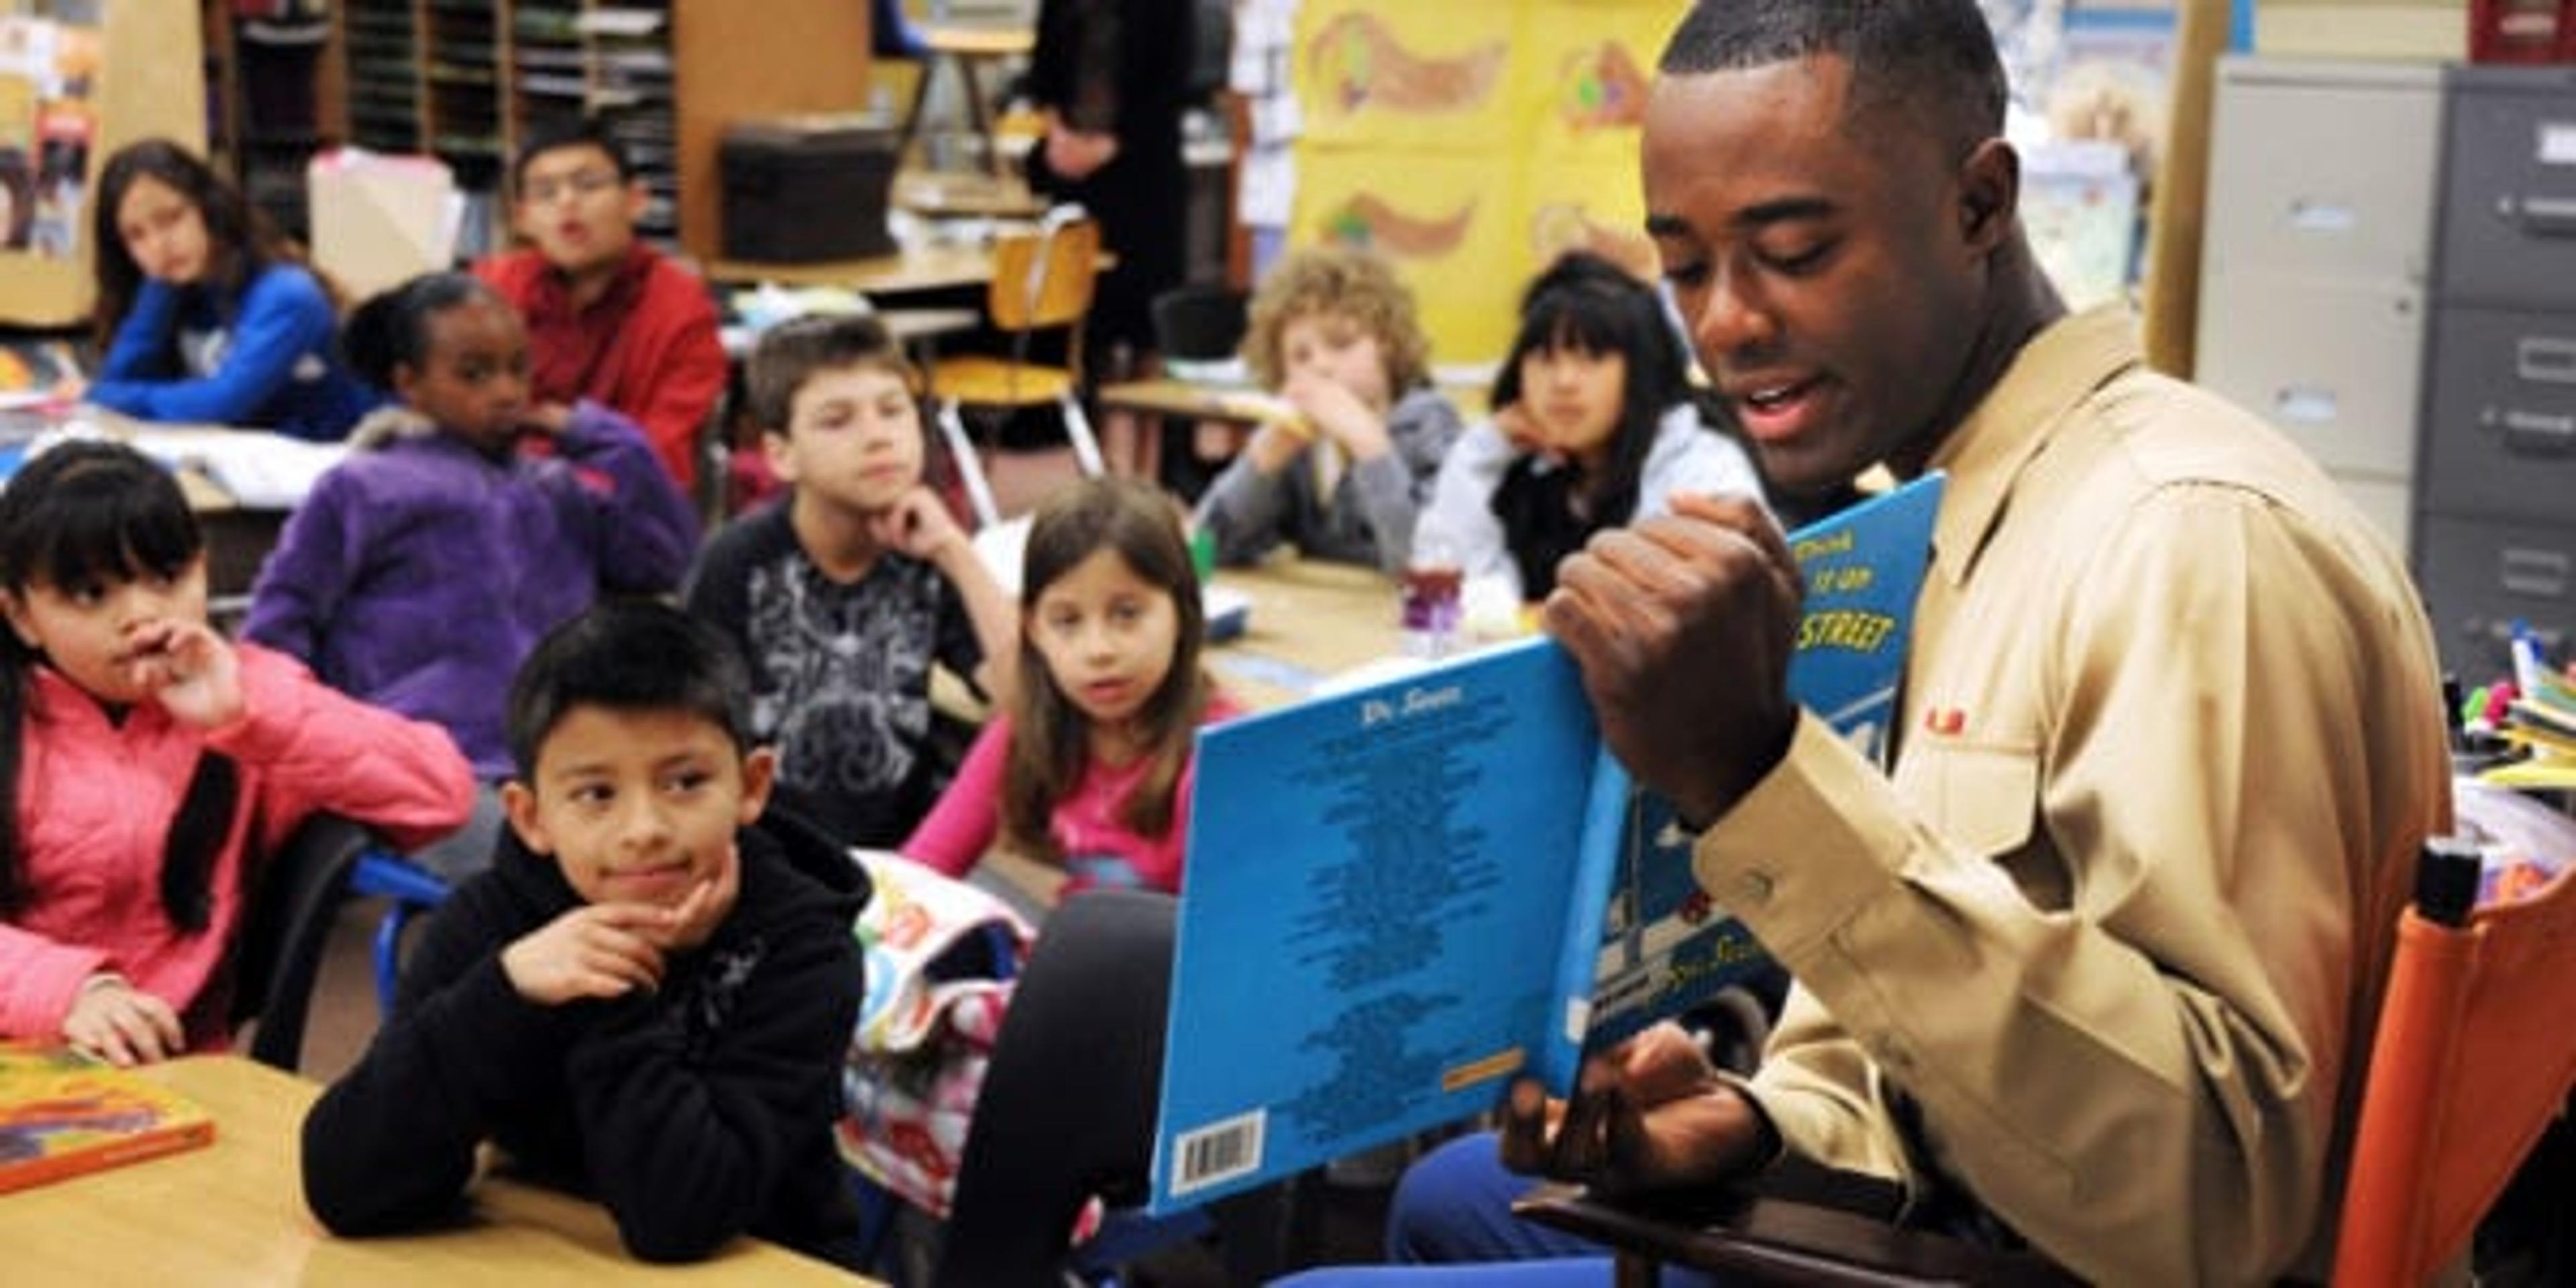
[{"x": 1110, "y": 77}]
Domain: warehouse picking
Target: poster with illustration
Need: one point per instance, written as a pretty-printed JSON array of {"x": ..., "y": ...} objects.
[
  {"x": 48, "y": 125},
  {"x": 1450, "y": 225},
  {"x": 1428, "y": 72}
]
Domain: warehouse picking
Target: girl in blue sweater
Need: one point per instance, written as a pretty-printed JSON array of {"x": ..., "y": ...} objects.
[{"x": 205, "y": 312}]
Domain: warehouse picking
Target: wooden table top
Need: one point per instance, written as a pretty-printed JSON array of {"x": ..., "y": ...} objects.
[
  {"x": 1238, "y": 403},
  {"x": 1310, "y": 621},
  {"x": 233, "y": 1213}
]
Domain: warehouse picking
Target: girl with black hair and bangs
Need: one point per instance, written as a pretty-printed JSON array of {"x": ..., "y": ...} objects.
[
  {"x": 1594, "y": 427},
  {"x": 152, "y": 761}
]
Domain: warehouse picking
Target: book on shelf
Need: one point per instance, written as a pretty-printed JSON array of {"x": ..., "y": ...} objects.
[
  {"x": 1402, "y": 895},
  {"x": 63, "y": 1113}
]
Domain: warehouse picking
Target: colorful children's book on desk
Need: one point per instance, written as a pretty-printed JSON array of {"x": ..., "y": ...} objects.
[
  {"x": 63, "y": 1113},
  {"x": 1401, "y": 895}
]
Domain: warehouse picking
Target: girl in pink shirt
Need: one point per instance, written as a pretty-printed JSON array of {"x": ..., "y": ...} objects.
[
  {"x": 151, "y": 762},
  {"x": 1089, "y": 768}
]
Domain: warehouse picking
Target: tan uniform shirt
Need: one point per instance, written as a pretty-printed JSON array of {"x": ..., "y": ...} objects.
[{"x": 2117, "y": 925}]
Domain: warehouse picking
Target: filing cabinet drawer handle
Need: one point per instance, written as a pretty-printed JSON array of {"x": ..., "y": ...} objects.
[
  {"x": 2536, "y": 434},
  {"x": 2549, "y": 216},
  {"x": 2545, "y": 359},
  {"x": 2535, "y": 572}
]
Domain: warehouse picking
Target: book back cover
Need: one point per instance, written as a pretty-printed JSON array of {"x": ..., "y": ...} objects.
[{"x": 62, "y": 1114}]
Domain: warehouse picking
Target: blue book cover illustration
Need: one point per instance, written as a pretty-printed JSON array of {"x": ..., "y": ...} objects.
[{"x": 1400, "y": 896}]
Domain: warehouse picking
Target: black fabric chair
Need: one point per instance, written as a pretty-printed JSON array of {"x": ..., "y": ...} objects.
[{"x": 294, "y": 900}]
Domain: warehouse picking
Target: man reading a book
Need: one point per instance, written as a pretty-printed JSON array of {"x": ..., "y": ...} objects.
[{"x": 2095, "y": 966}]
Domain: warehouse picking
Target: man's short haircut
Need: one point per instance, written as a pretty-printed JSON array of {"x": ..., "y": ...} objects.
[
  {"x": 1930, "y": 60},
  {"x": 578, "y": 132},
  {"x": 790, "y": 353},
  {"x": 628, "y": 655}
]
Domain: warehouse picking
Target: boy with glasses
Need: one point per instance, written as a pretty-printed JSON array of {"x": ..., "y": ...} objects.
[{"x": 609, "y": 318}]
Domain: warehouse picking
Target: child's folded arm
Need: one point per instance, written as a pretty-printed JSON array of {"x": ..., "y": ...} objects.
[
  {"x": 687, "y": 1142},
  {"x": 644, "y": 530},
  {"x": 321, "y": 750},
  {"x": 39, "y": 978},
  {"x": 391, "y": 1146}
]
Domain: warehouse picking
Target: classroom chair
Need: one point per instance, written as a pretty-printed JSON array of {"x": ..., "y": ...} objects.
[
  {"x": 412, "y": 890},
  {"x": 2473, "y": 1060},
  {"x": 1042, "y": 281},
  {"x": 293, "y": 903}
]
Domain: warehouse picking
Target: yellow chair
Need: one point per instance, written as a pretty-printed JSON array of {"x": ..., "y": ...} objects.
[{"x": 1042, "y": 280}]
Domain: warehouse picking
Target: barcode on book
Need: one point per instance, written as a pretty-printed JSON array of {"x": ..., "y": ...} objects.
[{"x": 1218, "y": 1152}]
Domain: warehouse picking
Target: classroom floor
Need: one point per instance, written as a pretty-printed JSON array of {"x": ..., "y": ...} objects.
[{"x": 1344, "y": 1225}]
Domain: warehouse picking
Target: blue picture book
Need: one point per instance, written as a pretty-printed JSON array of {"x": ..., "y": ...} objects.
[{"x": 1400, "y": 896}]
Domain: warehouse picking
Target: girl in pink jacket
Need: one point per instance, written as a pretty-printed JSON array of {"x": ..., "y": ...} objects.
[{"x": 153, "y": 762}]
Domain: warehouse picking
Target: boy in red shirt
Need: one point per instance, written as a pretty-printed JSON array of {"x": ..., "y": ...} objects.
[{"x": 609, "y": 318}]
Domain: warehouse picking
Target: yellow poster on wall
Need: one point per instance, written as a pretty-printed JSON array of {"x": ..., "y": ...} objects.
[
  {"x": 1472, "y": 141},
  {"x": 1582, "y": 72},
  {"x": 1452, "y": 226},
  {"x": 1374, "y": 74}
]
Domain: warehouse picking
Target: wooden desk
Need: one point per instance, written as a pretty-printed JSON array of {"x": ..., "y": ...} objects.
[
  {"x": 967, "y": 47},
  {"x": 233, "y": 1213},
  {"x": 1310, "y": 621},
  {"x": 940, "y": 195},
  {"x": 912, "y": 270},
  {"x": 1168, "y": 397}
]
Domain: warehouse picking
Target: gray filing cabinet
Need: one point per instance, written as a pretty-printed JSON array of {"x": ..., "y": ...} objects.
[
  {"x": 2496, "y": 505},
  {"x": 2316, "y": 262}
]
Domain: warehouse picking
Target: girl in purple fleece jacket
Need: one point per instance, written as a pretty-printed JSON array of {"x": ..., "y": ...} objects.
[{"x": 419, "y": 572}]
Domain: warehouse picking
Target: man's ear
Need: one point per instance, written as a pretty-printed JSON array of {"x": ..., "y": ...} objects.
[
  {"x": 519, "y": 805},
  {"x": 1989, "y": 194},
  {"x": 759, "y": 774}
]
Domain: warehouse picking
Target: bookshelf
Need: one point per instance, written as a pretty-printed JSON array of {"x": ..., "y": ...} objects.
[{"x": 469, "y": 80}]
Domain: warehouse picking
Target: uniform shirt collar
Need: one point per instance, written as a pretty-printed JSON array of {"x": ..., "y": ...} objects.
[{"x": 2054, "y": 371}]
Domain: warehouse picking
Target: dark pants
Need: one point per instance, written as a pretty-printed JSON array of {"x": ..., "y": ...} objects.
[{"x": 1069, "y": 1100}]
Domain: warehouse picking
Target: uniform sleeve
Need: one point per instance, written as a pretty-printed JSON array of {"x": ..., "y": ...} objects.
[
  {"x": 391, "y": 1145},
  {"x": 317, "y": 749},
  {"x": 2144, "y": 1083},
  {"x": 304, "y": 582},
  {"x": 639, "y": 524},
  {"x": 686, "y": 1146},
  {"x": 961, "y": 827},
  {"x": 284, "y": 318},
  {"x": 1393, "y": 488}
]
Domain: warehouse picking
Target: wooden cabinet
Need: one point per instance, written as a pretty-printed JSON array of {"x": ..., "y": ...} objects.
[{"x": 469, "y": 80}]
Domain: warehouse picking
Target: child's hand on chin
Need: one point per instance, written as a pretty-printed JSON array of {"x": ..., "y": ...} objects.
[
  {"x": 188, "y": 669},
  {"x": 599, "y": 950},
  {"x": 919, "y": 525},
  {"x": 695, "y": 920}
]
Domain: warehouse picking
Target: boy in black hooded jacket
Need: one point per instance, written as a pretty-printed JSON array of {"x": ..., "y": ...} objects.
[{"x": 647, "y": 997}]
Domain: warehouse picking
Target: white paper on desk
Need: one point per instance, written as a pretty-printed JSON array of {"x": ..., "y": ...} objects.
[
  {"x": 1001, "y": 546},
  {"x": 260, "y": 470}
]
